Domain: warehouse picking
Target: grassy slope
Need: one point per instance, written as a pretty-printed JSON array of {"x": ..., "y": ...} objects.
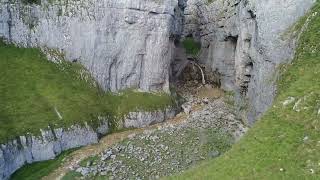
[
  {"x": 31, "y": 88},
  {"x": 284, "y": 144}
]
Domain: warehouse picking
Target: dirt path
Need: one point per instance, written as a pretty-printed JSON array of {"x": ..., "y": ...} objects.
[
  {"x": 77, "y": 156},
  {"x": 107, "y": 141}
]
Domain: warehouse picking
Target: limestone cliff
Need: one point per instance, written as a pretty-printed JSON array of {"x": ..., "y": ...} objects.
[
  {"x": 242, "y": 40},
  {"x": 130, "y": 44},
  {"x": 123, "y": 43}
]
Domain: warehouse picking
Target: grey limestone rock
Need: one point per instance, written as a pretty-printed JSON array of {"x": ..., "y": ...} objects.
[
  {"x": 143, "y": 119},
  {"x": 131, "y": 43},
  {"x": 28, "y": 149},
  {"x": 123, "y": 43},
  {"x": 243, "y": 41}
]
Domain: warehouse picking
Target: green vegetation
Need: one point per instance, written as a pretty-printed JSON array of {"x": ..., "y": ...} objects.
[
  {"x": 210, "y": 1},
  {"x": 285, "y": 143},
  {"x": 90, "y": 159},
  {"x": 31, "y": 2},
  {"x": 192, "y": 47},
  {"x": 38, "y": 170},
  {"x": 36, "y": 93},
  {"x": 71, "y": 175}
]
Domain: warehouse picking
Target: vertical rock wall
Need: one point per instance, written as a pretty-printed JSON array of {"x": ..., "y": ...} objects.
[
  {"x": 123, "y": 43},
  {"x": 27, "y": 149},
  {"x": 243, "y": 41},
  {"x": 130, "y": 43}
]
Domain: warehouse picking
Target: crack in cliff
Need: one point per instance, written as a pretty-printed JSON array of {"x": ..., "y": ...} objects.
[{"x": 9, "y": 21}]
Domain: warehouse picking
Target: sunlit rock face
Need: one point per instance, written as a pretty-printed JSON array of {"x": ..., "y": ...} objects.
[
  {"x": 130, "y": 43},
  {"x": 123, "y": 43},
  {"x": 244, "y": 41}
]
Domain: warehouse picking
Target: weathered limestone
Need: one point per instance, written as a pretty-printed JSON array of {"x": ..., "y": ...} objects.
[
  {"x": 123, "y": 43},
  {"x": 144, "y": 119},
  {"x": 29, "y": 149},
  {"x": 242, "y": 41},
  {"x": 130, "y": 44}
]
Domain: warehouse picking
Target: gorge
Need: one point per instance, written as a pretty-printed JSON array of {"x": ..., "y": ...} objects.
[{"x": 141, "y": 44}]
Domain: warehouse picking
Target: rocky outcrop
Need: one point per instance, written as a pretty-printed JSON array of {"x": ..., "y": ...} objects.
[
  {"x": 144, "y": 119},
  {"x": 170, "y": 148},
  {"x": 28, "y": 149},
  {"x": 123, "y": 43},
  {"x": 243, "y": 41}
]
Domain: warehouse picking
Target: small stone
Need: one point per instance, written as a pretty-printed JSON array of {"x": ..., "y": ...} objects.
[
  {"x": 131, "y": 136},
  {"x": 83, "y": 171},
  {"x": 208, "y": 86},
  {"x": 288, "y": 101},
  {"x": 305, "y": 138},
  {"x": 186, "y": 108},
  {"x": 89, "y": 163},
  {"x": 205, "y": 100},
  {"x": 282, "y": 170},
  {"x": 296, "y": 106},
  {"x": 188, "y": 161},
  {"x": 214, "y": 154},
  {"x": 103, "y": 173}
]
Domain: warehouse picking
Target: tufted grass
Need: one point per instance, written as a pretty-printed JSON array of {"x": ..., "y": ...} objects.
[
  {"x": 33, "y": 90},
  {"x": 284, "y": 144}
]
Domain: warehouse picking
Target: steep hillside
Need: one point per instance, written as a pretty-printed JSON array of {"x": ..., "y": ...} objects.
[
  {"x": 36, "y": 93},
  {"x": 285, "y": 143}
]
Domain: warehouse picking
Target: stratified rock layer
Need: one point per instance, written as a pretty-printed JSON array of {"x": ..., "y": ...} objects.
[{"x": 123, "y": 43}]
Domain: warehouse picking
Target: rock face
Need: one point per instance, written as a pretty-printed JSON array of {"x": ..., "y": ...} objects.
[
  {"x": 131, "y": 43},
  {"x": 28, "y": 149},
  {"x": 123, "y": 43},
  {"x": 143, "y": 119},
  {"x": 243, "y": 40}
]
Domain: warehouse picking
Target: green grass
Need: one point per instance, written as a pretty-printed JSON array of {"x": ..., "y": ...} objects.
[
  {"x": 284, "y": 144},
  {"x": 32, "y": 89},
  {"x": 91, "y": 159},
  {"x": 38, "y": 170},
  {"x": 72, "y": 175},
  {"x": 192, "y": 47}
]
